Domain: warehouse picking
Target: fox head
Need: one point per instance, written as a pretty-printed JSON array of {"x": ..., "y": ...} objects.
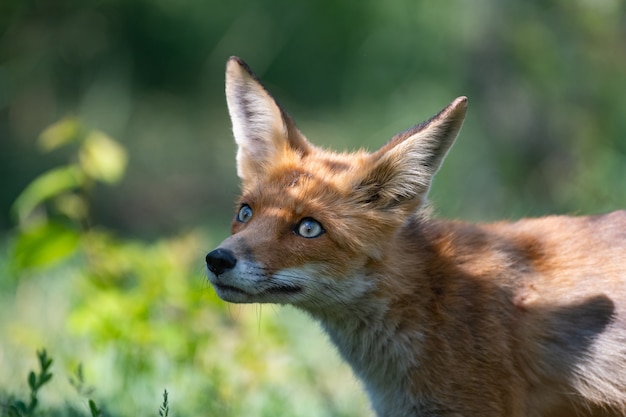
[{"x": 309, "y": 221}]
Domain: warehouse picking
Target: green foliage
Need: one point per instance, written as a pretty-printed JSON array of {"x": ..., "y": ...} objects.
[
  {"x": 44, "y": 244},
  {"x": 51, "y": 184},
  {"x": 164, "y": 409},
  {"x": 62, "y": 194},
  {"x": 78, "y": 382},
  {"x": 95, "y": 411},
  {"x": 124, "y": 282},
  {"x": 100, "y": 158},
  {"x": 20, "y": 408}
]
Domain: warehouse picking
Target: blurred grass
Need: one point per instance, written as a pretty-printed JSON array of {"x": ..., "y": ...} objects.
[
  {"x": 245, "y": 361},
  {"x": 104, "y": 268}
]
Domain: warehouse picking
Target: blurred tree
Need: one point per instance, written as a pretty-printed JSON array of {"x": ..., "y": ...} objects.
[{"x": 544, "y": 82}]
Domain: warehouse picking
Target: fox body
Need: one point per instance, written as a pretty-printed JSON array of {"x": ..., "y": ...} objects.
[{"x": 437, "y": 318}]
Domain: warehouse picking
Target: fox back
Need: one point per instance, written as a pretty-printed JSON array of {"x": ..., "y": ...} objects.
[{"x": 437, "y": 318}]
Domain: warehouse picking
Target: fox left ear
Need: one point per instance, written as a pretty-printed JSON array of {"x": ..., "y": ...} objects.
[
  {"x": 262, "y": 129},
  {"x": 403, "y": 169}
]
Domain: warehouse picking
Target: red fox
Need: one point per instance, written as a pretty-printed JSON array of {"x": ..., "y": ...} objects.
[{"x": 437, "y": 318}]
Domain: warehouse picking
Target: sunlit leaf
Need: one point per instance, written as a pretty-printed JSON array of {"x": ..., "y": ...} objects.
[
  {"x": 47, "y": 185},
  {"x": 60, "y": 133},
  {"x": 44, "y": 245},
  {"x": 72, "y": 205},
  {"x": 102, "y": 158}
]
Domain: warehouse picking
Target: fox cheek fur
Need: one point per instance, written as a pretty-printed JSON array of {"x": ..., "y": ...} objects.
[{"x": 437, "y": 318}]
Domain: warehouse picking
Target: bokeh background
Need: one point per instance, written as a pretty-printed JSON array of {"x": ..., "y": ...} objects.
[{"x": 117, "y": 171}]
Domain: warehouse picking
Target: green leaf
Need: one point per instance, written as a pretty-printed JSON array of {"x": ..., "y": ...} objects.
[
  {"x": 42, "y": 355},
  {"x": 46, "y": 186},
  {"x": 64, "y": 131},
  {"x": 95, "y": 412},
  {"x": 164, "y": 408},
  {"x": 20, "y": 407},
  {"x": 17, "y": 409},
  {"x": 44, "y": 361},
  {"x": 32, "y": 406},
  {"x": 32, "y": 381},
  {"x": 102, "y": 158},
  {"x": 44, "y": 378},
  {"x": 73, "y": 205},
  {"x": 43, "y": 246}
]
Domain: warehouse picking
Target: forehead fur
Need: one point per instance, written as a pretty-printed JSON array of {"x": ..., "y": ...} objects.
[
  {"x": 293, "y": 170},
  {"x": 321, "y": 185}
]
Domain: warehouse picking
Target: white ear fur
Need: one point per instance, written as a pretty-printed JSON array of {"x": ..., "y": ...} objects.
[
  {"x": 403, "y": 168},
  {"x": 261, "y": 128}
]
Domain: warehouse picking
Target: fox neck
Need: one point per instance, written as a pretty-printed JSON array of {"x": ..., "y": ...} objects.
[{"x": 371, "y": 336}]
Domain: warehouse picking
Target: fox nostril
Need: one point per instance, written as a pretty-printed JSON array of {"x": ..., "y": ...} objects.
[{"x": 220, "y": 261}]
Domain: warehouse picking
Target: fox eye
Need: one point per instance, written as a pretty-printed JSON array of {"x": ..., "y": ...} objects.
[
  {"x": 309, "y": 228},
  {"x": 245, "y": 214}
]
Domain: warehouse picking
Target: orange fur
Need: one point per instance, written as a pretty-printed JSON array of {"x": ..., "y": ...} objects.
[{"x": 437, "y": 318}]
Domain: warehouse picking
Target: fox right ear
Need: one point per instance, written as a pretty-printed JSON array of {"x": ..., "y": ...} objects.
[
  {"x": 262, "y": 130},
  {"x": 403, "y": 169}
]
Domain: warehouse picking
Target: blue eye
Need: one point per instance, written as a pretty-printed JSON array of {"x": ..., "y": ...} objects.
[
  {"x": 245, "y": 214},
  {"x": 309, "y": 228}
]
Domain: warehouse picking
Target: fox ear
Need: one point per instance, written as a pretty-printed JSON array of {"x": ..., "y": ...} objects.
[
  {"x": 402, "y": 170},
  {"x": 262, "y": 130}
]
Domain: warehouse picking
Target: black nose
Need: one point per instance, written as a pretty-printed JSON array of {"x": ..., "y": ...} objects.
[{"x": 220, "y": 261}]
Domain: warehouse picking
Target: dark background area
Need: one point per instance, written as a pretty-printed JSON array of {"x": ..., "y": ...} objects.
[{"x": 546, "y": 81}]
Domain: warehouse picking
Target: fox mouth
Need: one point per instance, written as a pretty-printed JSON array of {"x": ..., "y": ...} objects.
[
  {"x": 274, "y": 289},
  {"x": 228, "y": 288},
  {"x": 283, "y": 289}
]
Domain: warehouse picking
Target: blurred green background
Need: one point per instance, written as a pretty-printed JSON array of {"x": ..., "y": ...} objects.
[{"x": 117, "y": 170}]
